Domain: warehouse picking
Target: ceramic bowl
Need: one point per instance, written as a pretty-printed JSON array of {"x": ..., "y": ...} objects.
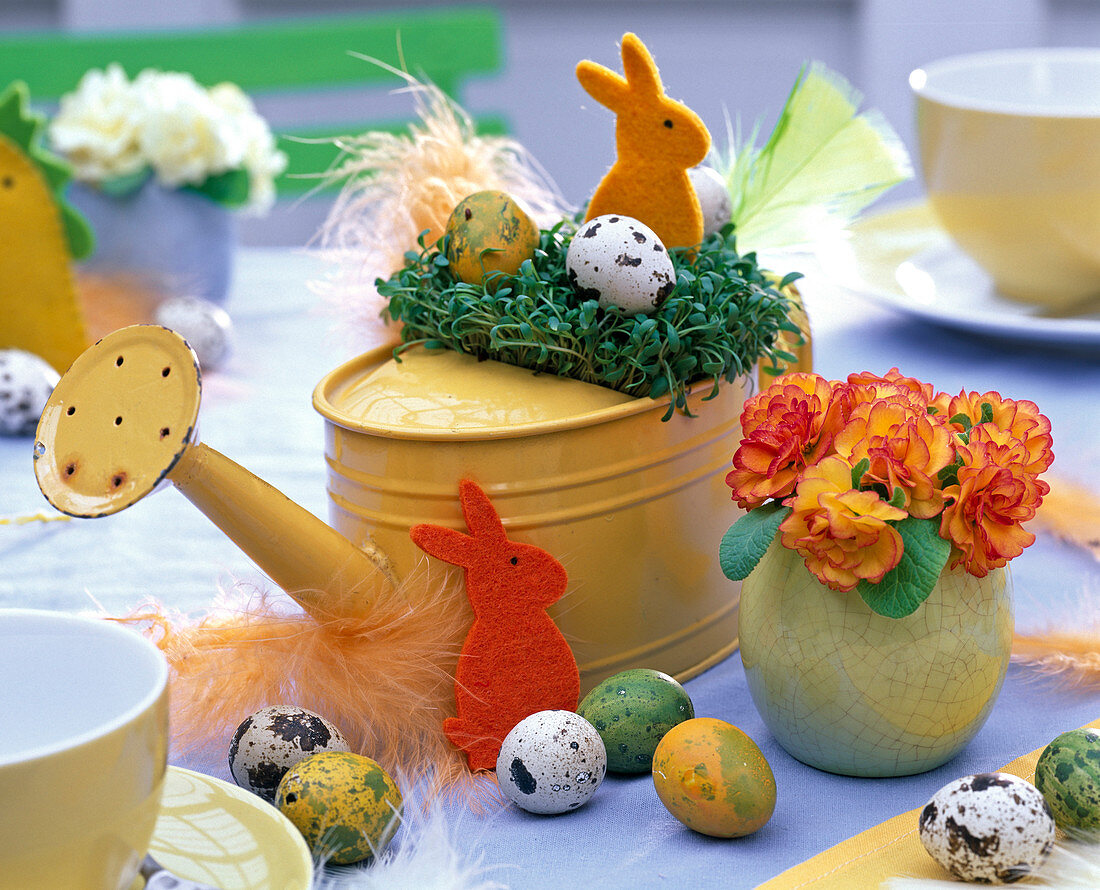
[
  {"x": 1010, "y": 153},
  {"x": 83, "y": 750}
]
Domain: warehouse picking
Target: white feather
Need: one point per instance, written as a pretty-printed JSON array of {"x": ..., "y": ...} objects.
[{"x": 424, "y": 856}]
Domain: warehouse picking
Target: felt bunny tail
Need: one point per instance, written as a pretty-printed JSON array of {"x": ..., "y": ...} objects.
[
  {"x": 822, "y": 164},
  {"x": 386, "y": 681}
]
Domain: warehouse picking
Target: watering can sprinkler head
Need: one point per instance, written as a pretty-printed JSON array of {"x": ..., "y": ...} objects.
[{"x": 122, "y": 421}]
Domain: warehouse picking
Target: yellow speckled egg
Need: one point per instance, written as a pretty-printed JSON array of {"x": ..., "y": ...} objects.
[
  {"x": 713, "y": 778},
  {"x": 489, "y": 232},
  {"x": 345, "y": 805}
]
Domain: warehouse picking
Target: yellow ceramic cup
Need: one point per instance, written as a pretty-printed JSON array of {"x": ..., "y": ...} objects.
[
  {"x": 1010, "y": 151},
  {"x": 83, "y": 750}
]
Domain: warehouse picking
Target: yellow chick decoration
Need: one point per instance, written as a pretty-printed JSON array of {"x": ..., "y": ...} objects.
[
  {"x": 657, "y": 140},
  {"x": 40, "y": 235}
]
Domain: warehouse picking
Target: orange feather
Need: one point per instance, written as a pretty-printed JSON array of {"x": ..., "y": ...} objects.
[
  {"x": 1072, "y": 656},
  {"x": 387, "y": 680},
  {"x": 1072, "y": 512}
]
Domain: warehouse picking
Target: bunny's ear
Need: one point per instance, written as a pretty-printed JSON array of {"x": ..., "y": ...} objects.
[
  {"x": 603, "y": 85},
  {"x": 481, "y": 516},
  {"x": 642, "y": 76},
  {"x": 443, "y": 543}
]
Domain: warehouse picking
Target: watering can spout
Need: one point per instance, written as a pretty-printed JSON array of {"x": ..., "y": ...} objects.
[{"x": 122, "y": 421}]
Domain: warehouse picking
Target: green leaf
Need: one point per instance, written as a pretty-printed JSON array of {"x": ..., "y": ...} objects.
[
  {"x": 230, "y": 188},
  {"x": 962, "y": 420},
  {"x": 858, "y": 470},
  {"x": 77, "y": 231},
  {"x": 908, "y": 584},
  {"x": 746, "y": 541},
  {"x": 120, "y": 186},
  {"x": 987, "y": 413}
]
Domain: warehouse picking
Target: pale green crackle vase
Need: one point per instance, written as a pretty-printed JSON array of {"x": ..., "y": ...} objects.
[{"x": 849, "y": 691}]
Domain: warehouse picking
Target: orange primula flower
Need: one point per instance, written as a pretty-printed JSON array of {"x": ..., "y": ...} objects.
[
  {"x": 782, "y": 430},
  {"x": 905, "y": 446},
  {"x": 1019, "y": 418},
  {"x": 923, "y": 391},
  {"x": 994, "y": 496},
  {"x": 841, "y": 533}
]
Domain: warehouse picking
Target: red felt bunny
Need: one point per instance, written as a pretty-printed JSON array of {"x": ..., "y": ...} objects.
[{"x": 515, "y": 661}]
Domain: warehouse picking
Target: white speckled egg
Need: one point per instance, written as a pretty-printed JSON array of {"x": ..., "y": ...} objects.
[
  {"x": 714, "y": 198},
  {"x": 205, "y": 325},
  {"x": 620, "y": 262},
  {"x": 551, "y": 762},
  {"x": 274, "y": 739},
  {"x": 26, "y": 382},
  {"x": 992, "y": 827}
]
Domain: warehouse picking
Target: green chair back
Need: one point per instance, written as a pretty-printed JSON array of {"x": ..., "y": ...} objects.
[{"x": 448, "y": 46}]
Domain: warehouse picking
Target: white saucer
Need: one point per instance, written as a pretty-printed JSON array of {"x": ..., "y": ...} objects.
[
  {"x": 219, "y": 834},
  {"x": 901, "y": 259}
]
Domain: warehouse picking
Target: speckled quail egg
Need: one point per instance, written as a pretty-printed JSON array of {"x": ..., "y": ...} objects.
[
  {"x": 26, "y": 382},
  {"x": 1068, "y": 775},
  {"x": 272, "y": 740},
  {"x": 551, "y": 762},
  {"x": 206, "y": 326},
  {"x": 991, "y": 828},
  {"x": 620, "y": 262},
  {"x": 345, "y": 805},
  {"x": 714, "y": 198}
]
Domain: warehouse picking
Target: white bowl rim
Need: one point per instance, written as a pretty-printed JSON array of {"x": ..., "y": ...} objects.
[
  {"x": 920, "y": 78},
  {"x": 110, "y": 628}
]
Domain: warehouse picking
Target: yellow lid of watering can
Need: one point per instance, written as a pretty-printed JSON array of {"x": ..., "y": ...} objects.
[{"x": 433, "y": 391}]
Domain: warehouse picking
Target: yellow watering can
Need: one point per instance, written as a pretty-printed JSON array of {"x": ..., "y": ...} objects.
[{"x": 632, "y": 506}]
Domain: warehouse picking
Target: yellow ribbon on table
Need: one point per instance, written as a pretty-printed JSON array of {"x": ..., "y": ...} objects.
[{"x": 888, "y": 850}]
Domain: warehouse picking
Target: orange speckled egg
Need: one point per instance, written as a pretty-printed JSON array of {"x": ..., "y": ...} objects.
[{"x": 713, "y": 778}]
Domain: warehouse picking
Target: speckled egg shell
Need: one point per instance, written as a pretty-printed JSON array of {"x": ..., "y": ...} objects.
[
  {"x": 714, "y": 198},
  {"x": 713, "y": 778},
  {"x": 272, "y": 740},
  {"x": 204, "y": 325},
  {"x": 1068, "y": 776},
  {"x": 345, "y": 805},
  {"x": 632, "y": 711},
  {"x": 26, "y": 382},
  {"x": 489, "y": 232},
  {"x": 620, "y": 262},
  {"x": 551, "y": 762},
  {"x": 991, "y": 827}
]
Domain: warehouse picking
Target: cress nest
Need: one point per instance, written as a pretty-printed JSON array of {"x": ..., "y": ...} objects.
[{"x": 724, "y": 315}]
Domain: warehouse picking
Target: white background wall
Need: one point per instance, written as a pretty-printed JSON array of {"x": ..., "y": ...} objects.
[{"x": 719, "y": 56}]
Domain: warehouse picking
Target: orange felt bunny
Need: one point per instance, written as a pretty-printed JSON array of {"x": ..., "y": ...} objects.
[
  {"x": 515, "y": 661},
  {"x": 657, "y": 140}
]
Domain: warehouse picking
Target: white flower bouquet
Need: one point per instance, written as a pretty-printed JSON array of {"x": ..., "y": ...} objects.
[{"x": 117, "y": 133}]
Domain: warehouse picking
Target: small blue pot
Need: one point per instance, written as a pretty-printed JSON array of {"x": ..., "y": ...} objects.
[{"x": 177, "y": 242}]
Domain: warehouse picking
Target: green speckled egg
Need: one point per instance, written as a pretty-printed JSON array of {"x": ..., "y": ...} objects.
[
  {"x": 1068, "y": 775},
  {"x": 345, "y": 805},
  {"x": 632, "y": 711}
]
